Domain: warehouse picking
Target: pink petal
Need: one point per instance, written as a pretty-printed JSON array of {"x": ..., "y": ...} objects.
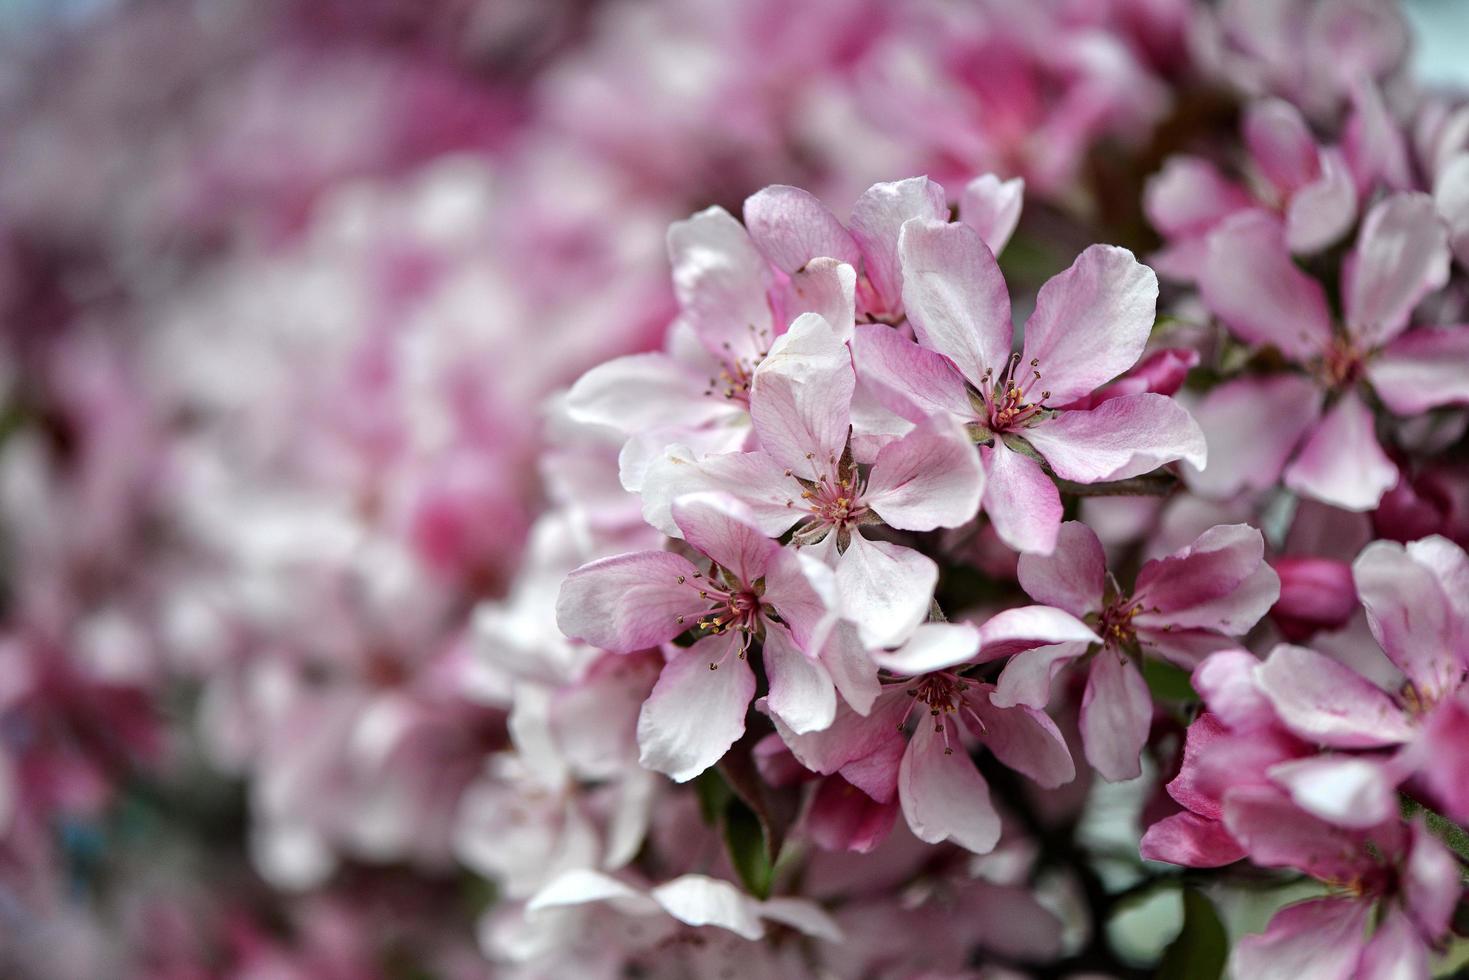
[
  {"x": 1423, "y": 369},
  {"x": 754, "y": 479},
  {"x": 1188, "y": 789},
  {"x": 1116, "y": 713},
  {"x": 1022, "y": 502},
  {"x": 1120, "y": 438},
  {"x": 1322, "y": 211},
  {"x": 1278, "y": 834},
  {"x": 1411, "y": 617},
  {"x": 991, "y": 206},
  {"x": 907, "y": 379},
  {"x": 594, "y": 721},
  {"x": 1023, "y": 738},
  {"x": 849, "y": 737},
  {"x": 1229, "y": 683},
  {"x": 1027, "y": 677},
  {"x": 725, "y": 530},
  {"x": 1251, "y": 283},
  {"x": 1445, "y": 733},
  {"x": 695, "y": 714},
  {"x": 1327, "y": 703},
  {"x": 1281, "y": 144},
  {"x": 1091, "y": 322},
  {"x": 929, "y": 478},
  {"x": 791, "y": 227},
  {"x": 886, "y": 589},
  {"x": 629, "y": 602},
  {"x": 1190, "y": 840},
  {"x": 1395, "y": 952},
  {"x": 1252, "y": 427},
  {"x": 1220, "y": 582},
  {"x": 878, "y": 217},
  {"x": 721, "y": 281},
  {"x": 1163, "y": 372},
  {"x": 955, "y": 296},
  {"x": 1451, "y": 195},
  {"x": 851, "y": 668},
  {"x": 801, "y": 692},
  {"x": 1374, "y": 143},
  {"x": 801, "y": 396},
  {"x": 1343, "y": 790},
  {"x": 1342, "y": 463},
  {"x": 1402, "y": 255},
  {"x": 1025, "y": 627},
  {"x": 843, "y": 818},
  {"x": 828, "y": 288},
  {"x": 1189, "y": 196},
  {"x": 933, "y": 646},
  {"x": 1073, "y": 576},
  {"x": 1321, "y": 939},
  {"x": 1431, "y": 882},
  {"x": 943, "y": 795},
  {"x": 642, "y": 391}
]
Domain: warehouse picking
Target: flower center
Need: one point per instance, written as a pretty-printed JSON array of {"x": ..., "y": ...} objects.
[
  {"x": 833, "y": 496},
  {"x": 1115, "y": 626},
  {"x": 737, "y": 371},
  {"x": 1341, "y": 364},
  {"x": 1007, "y": 403},
  {"x": 942, "y": 694}
]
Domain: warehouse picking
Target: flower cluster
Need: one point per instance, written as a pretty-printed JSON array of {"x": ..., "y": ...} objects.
[{"x": 687, "y": 489}]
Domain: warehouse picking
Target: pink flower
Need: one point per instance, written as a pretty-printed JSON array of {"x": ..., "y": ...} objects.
[
  {"x": 1090, "y": 324},
  {"x": 1262, "y": 427},
  {"x": 804, "y": 476},
  {"x": 1308, "y": 186},
  {"x": 930, "y": 773},
  {"x": 753, "y": 589},
  {"x": 1181, "y": 608}
]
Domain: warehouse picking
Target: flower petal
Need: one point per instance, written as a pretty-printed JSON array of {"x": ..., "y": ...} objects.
[
  {"x": 1189, "y": 196},
  {"x": 698, "y": 900},
  {"x": 955, "y": 296},
  {"x": 1024, "y": 739},
  {"x": 1423, "y": 369},
  {"x": 911, "y": 381},
  {"x": 1091, "y": 322},
  {"x": 725, "y": 530},
  {"x": 1342, "y": 463},
  {"x": 1027, "y": 676},
  {"x": 943, "y": 795},
  {"x": 991, "y": 206},
  {"x": 1120, "y": 438},
  {"x": 1022, "y": 502},
  {"x": 933, "y": 646},
  {"x": 642, "y": 391},
  {"x": 1396, "y": 950},
  {"x": 629, "y": 602},
  {"x": 1072, "y": 577},
  {"x": 1321, "y": 939},
  {"x": 1322, "y": 211},
  {"x": 754, "y": 479},
  {"x": 886, "y": 589},
  {"x": 931, "y": 477},
  {"x": 695, "y": 714},
  {"x": 801, "y": 397},
  {"x": 791, "y": 227},
  {"x": 1280, "y": 144},
  {"x": 1220, "y": 582},
  {"x": 1411, "y": 617},
  {"x": 1252, "y": 427},
  {"x": 1190, "y": 840},
  {"x": 1116, "y": 713},
  {"x": 721, "y": 281},
  {"x": 1402, "y": 255},
  {"x": 1324, "y": 702},
  {"x": 1252, "y": 284},
  {"x": 801, "y": 692},
  {"x": 878, "y": 217},
  {"x": 1343, "y": 790}
]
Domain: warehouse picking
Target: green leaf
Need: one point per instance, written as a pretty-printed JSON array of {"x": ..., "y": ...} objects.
[
  {"x": 714, "y": 795},
  {"x": 1168, "y": 682},
  {"x": 1202, "y": 946},
  {"x": 748, "y": 850}
]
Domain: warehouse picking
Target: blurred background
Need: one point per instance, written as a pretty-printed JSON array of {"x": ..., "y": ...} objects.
[{"x": 284, "y": 288}]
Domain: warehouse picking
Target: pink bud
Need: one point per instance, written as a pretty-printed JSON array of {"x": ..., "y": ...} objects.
[{"x": 1315, "y": 594}]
